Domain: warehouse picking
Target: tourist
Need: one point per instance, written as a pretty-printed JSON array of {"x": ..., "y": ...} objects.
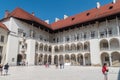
[
  {"x": 6, "y": 67},
  {"x": 1, "y": 68},
  {"x": 105, "y": 71}
]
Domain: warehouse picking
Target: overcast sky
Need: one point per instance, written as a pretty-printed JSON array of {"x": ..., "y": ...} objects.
[{"x": 49, "y": 9}]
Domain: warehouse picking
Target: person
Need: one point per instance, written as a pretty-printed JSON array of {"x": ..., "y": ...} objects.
[
  {"x": 6, "y": 67},
  {"x": 105, "y": 71},
  {"x": 1, "y": 68},
  {"x": 56, "y": 65}
]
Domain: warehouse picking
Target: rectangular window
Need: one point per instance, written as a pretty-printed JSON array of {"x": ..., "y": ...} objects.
[
  {"x": 85, "y": 36},
  {"x": 20, "y": 32},
  {"x": 110, "y": 31},
  {"x": 1, "y": 49},
  {"x": 92, "y": 34},
  {"x": 2, "y": 39}
]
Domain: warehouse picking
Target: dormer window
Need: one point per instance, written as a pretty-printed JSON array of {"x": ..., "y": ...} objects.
[
  {"x": 110, "y": 7},
  {"x": 88, "y": 14},
  {"x": 73, "y": 18}
]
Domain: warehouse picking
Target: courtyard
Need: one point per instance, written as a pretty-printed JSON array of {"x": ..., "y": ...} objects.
[{"x": 51, "y": 73}]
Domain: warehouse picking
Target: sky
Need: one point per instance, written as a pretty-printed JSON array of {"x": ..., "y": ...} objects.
[{"x": 50, "y": 9}]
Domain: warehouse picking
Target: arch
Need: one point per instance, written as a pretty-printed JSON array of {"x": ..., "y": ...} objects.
[
  {"x": 66, "y": 47},
  {"x": 61, "y": 48},
  {"x": 86, "y": 46},
  {"x": 46, "y": 48},
  {"x": 80, "y": 59},
  {"x": 36, "y": 46},
  {"x": 40, "y": 60},
  {"x": 67, "y": 58},
  {"x": 79, "y": 46},
  {"x": 41, "y": 47},
  {"x": 87, "y": 59},
  {"x": 19, "y": 59},
  {"x": 56, "y": 49},
  {"x": 114, "y": 43},
  {"x": 105, "y": 58},
  {"x": 36, "y": 59},
  {"x": 49, "y": 59},
  {"x": 61, "y": 59},
  {"x": 45, "y": 58},
  {"x": 104, "y": 44},
  {"x": 73, "y": 47},
  {"x": 73, "y": 59},
  {"x": 50, "y": 48},
  {"x": 55, "y": 59},
  {"x": 115, "y": 59}
]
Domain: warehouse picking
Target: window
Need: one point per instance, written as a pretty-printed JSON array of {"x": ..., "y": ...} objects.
[
  {"x": 20, "y": 32},
  {"x": 67, "y": 39},
  {"x": 40, "y": 37},
  {"x": 2, "y": 39},
  {"x": 103, "y": 33},
  {"x": 32, "y": 33},
  {"x": 92, "y": 34},
  {"x": 110, "y": 31},
  {"x": 85, "y": 36},
  {"x": 1, "y": 49}
]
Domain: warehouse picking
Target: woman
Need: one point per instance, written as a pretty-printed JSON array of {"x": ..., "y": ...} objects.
[{"x": 105, "y": 71}]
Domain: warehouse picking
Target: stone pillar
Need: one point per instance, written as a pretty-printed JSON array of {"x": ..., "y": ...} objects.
[{"x": 110, "y": 59}]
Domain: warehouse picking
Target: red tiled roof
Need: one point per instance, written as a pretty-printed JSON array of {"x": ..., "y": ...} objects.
[
  {"x": 3, "y": 26},
  {"x": 21, "y": 14},
  {"x": 93, "y": 14}
]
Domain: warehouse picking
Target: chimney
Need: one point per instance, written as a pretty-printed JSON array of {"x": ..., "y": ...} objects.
[
  {"x": 114, "y": 1},
  {"x": 47, "y": 21},
  {"x": 57, "y": 19},
  {"x": 33, "y": 13},
  {"x": 6, "y": 13},
  {"x": 65, "y": 16},
  {"x": 98, "y": 5}
]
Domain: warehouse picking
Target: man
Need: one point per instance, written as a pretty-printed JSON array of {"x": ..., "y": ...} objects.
[{"x": 6, "y": 67}]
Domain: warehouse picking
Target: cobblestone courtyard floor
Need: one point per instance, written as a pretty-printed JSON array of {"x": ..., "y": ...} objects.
[{"x": 51, "y": 73}]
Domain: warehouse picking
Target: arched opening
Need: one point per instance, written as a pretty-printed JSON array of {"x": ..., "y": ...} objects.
[
  {"x": 61, "y": 48},
  {"x": 45, "y": 59},
  {"x": 114, "y": 44},
  {"x": 36, "y": 47},
  {"x": 56, "y": 49},
  {"x": 73, "y": 47},
  {"x": 67, "y": 58},
  {"x": 66, "y": 47},
  {"x": 87, "y": 59},
  {"x": 73, "y": 59},
  {"x": 105, "y": 58},
  {"x": 49, "y": 59},
  {"x": 104, "y": 44},
  {"x": 115, "y": 59},
  {"x": 36, "y": 58},
  {"x": 79, "y": 47},
  {"x": 80, "y": 59},
  {"x": 41, "y": 47},
  {"x": 40, "y": 60},
  {"x": 55, "y": 59},
  {"x": 61, "y": 59},
  {"x": 86, "y": 46},
  {"x": 50, "y": 48},
  {"x": 19, "y": 59},
  {"x": 46, "y": 48}
]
